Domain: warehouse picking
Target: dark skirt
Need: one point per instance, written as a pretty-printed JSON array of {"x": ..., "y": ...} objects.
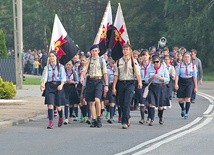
[
  {"x": 143, "y": 100},
  {"x": 158, "y": 95},
  {"x": 186, "y": 86},
  {"x": 52, "y": 95},
  {"x": 71, "y": 94}
]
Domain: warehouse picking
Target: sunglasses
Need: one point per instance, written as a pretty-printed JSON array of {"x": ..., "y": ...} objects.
[{"x": 156, "y": 61}]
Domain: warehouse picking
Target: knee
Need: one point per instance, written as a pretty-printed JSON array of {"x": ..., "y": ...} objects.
[
  {"x": 50, "y": 106},
  {"x": 97, "y": 100}
]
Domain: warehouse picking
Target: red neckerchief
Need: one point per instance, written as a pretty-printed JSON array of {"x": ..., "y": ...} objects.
[
  {"x": 187, "y": 67},
  {"x": 53, "y": 71},
  {"x": 156, "y": 69},
  {"x": 69, "y": 73},
  {"x": 145, "y": 68}
]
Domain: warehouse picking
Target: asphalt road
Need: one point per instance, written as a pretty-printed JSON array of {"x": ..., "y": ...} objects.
[{"x": 177, "y": 136}]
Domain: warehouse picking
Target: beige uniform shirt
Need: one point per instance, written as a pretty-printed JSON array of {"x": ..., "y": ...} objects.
[
  {"x": 95, "y": 68},
  {"x": 120, "y": 70}
]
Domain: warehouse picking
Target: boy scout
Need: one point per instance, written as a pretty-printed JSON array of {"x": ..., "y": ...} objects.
[
  {"x": 97, "y": 71},
  {"x": 124, "y": 78}
]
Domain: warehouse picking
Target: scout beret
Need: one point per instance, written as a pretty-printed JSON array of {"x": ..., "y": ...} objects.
[{"x": 94, "y": 46}]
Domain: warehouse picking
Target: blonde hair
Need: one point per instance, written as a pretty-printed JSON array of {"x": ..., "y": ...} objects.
[{"x": 136, "y": 52}]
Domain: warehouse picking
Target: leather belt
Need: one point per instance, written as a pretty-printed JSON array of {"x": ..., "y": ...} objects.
[
  {"x": 55, "y": 82},
  {"x": 95, "y": 78},
  {"x": 158, "y": 84},
  {"x": 126, "y": 81}
]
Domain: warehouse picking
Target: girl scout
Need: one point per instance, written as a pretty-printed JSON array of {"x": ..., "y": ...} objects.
[
  {"x": 53, "y": 79},
  {"x": 158, "y": 75},
  {"x": 185, "y": 83}
]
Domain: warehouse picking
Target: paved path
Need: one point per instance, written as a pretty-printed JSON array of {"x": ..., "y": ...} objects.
[{"x": 28, "y": 105}]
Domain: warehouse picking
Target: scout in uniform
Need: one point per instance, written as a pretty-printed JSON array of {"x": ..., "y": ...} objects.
[
  {"x": 97, "y": 71},
  {"x": 83, "y": 104},
  {"x": 70, "y": 91},
  {"x": 124, "y": 77},
  {"x": 110, "y": 98},
  {"x": 185, "y": 83},
  {"x": 144, "y": 65},
  {"x": 158, "y": 75},
  {"x": 53, "y": 79}
]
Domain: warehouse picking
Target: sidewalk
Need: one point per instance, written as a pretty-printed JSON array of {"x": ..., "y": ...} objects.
[{"x": 28, "y": 105}]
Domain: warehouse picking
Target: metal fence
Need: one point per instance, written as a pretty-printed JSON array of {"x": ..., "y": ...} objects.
[{"x": 8, "y": 69}]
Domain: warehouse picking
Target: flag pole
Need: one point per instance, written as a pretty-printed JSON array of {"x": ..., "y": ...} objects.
[{"x": 50, "y": 47}]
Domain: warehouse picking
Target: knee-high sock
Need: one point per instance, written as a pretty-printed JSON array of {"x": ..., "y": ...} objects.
[
  {"x": 182, "y": 106},
  {"x": 84, "y": 109},
  {"x": 160, "y": 113},
  {"x": 88, "y": 110},
  {"x": 152, "y": 113},
  {"x": 71, "y": 109},
  {"x": 66, "y": 112},
  {"x": 50, "y": 114},
  {"x": 187, "y": 107},
  {"x": 60, "y": 113},
  {"x": 111, "y": 109},
  {"x": 142, "y": 112},
  {"x": 76, "y": 111}
]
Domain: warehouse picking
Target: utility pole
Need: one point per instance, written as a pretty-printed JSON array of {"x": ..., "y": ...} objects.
[{"x": 18, "y": 41}]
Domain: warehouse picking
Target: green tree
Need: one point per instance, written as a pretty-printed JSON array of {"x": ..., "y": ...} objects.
[{"x": 3, "y": 48}]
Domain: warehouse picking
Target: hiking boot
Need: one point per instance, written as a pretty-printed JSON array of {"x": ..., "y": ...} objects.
[
  {"x": 182, "y": 113},
  {"x": 60, "y": 122},
  {"x": 161, "y": 121},
  {"x": 129, "y": 122},
  {"x": 66, "y": 121},
  {"x": 93, "y": 124},
  {"x": 50, "y": 124},
  {"x": 151, "y": 123},
  {"x": 124, "y": 126},
  {"x": 142, "y": 121},
  {"x": 88, "y": 121},
  {"x": 110, "y": 121},
  {"x": 99, "y": 123},
  {"x": 186, "y": 116}
]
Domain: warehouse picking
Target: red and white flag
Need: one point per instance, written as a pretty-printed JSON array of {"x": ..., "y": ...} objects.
[
  {"x": 119, "y": 35},
  {"x": 104, "y": 32},
  {"x": 62, "y": 43}
]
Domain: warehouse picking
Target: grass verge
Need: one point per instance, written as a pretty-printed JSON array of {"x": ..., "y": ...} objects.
[
  {"x": 208, "y": 74},
  {"x": 32, "y": 81}
]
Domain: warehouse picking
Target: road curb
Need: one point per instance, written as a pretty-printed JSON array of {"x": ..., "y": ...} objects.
[{"x": 15, "y": 122}]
